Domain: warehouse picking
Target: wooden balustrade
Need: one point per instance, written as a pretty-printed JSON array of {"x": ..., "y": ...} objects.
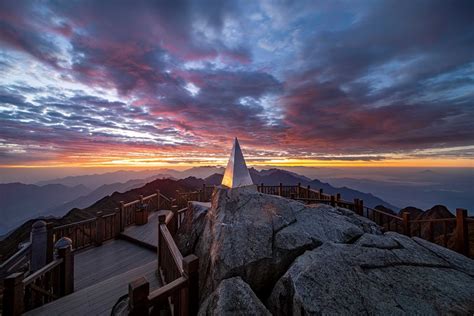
[
  {"x": 180, "y": 293},
  {"x": 82, "y": 233},
  {"x": 17, "y": 261},
  {"x": 202, "y": 195},
  {"x": 54, "y": 280}
]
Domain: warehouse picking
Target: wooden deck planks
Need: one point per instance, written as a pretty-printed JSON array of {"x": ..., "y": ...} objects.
[
  {"x": 99, "y": 298},
  {"x": 112, "y": 258},
  {"x": 102, "y": 274},
  {"x": 147, "y": 233}
]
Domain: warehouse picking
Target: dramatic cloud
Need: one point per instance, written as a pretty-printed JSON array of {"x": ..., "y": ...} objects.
[{"x": 104, "y": 82}]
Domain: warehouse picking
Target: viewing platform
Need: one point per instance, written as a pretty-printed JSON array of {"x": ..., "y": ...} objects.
[
  {"x": 115, "y": 255},
  {"x": 102, "y": 274}
]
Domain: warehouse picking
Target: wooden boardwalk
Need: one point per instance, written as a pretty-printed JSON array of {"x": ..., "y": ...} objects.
[
  {"x": 147, "y": 233},
  {"x": 114, "y": 257},
  {"x": 102, "y": 274},
  {"x": 101, "y": 297}
]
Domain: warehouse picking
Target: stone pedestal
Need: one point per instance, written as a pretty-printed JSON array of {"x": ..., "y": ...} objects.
[{"x": 39, "y": 245}]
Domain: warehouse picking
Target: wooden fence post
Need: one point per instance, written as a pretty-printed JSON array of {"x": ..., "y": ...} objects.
[
  {"x": 99, "y": 229},
  {"x": 298, "y": 191},
  {"x": 138, "y": 292},
  {"x": 116, "y": 223},
  {"x": 321, "y": 196},
  {"x": 338, "y": 196},
  {"x": 333, "y": 201},
  {"x": 356, "y": 206},
  {"x": 406, "y": 223},
  {"x": 66, "y": 271},
  {"x": 261, "y": 187},
  {"x": 158, "y": 200},
  {"x": 308, "y": 191},
  {"x": 431, "y": 231},
  {"x": 122, "y": 216},
  {"x": 13, "y": 292},
  {"x": 462, "y": 236},
  {"x": 361, "y": 208},
  {"x": 280, "y": 189},
  {"x": 203, "y": 198},
  {"x": 173, "y": 225},
  {"x": 191, "y": 270}
]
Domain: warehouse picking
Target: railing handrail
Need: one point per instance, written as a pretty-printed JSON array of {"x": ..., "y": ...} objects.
[
  {"x": 167, "y": 289},
  {"x": 145, "y": 198},
  {"x": 184, "y": 209},
  {"x": 109, "y": 215},
  {"x": 131, "y": 203},
  {"x": 50, "y": 266},
  {"x": 165, "y": 197},
  {"x": 17, "y": 254},
  {"x": 176, "y": 254},
  {"x": 384, "y": 213},
  {"x": 75, "y": 223},
  {"x": 433, "y": 220}
]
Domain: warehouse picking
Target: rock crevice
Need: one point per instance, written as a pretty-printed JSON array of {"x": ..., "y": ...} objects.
[{"x": 315, "y": 259}]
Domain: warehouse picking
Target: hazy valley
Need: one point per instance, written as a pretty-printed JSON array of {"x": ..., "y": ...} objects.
[{"x": 391, "y": 188}]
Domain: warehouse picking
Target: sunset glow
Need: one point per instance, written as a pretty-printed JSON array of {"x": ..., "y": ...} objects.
[{"x": 300, "y": 84}]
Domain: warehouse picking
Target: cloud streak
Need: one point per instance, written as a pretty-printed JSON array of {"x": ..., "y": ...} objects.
[{"x": 89, "y": 81}]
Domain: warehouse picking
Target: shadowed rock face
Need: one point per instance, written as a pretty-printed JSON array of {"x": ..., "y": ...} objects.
[
  {"x": 257, "y": 236},
  {"x": 301, "y": 259},
  {"x": 233, "y": 297}
]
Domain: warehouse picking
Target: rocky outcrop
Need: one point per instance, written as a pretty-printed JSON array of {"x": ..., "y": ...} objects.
[
  {"x": 233, "y": 297},
  {"x": 192, "y": 226},
  {"x": 315, "y": 259},
  {"x": 387, "y": 274},
  {"x": 257, "y": 236},
  {"x": 413, "y": 211}
]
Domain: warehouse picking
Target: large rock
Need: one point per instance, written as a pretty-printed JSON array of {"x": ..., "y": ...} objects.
[
  {"x": 233, "y": 297},
  {"x": 257, "y": 236},
  {"x": 192, "y": 226},
  {"x": 375, "y": 275}
]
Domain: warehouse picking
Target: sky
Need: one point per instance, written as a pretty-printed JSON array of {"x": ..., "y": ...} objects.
[{"x": 112, "y": 84}]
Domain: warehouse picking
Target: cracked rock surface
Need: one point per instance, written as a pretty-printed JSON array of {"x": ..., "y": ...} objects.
[
  {"x": 257, "y": 236},
  {"x": 389, "y": 274},
  {"x": 301, "y": 259}
]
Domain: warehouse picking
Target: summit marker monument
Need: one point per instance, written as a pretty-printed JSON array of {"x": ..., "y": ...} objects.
[{"x": 236, "y": 173}]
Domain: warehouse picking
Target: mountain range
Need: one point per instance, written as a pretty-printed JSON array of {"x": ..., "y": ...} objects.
[
  {"x": 22, "y": 202},
  {"x": 78, "y": 202}
]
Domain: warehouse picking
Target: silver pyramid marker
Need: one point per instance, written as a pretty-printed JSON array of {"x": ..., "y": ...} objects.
[{"x": 236, "y": 173}]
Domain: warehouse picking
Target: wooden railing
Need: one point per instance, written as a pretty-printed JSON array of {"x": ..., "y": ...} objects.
[
  {"x": 17, "y": 261},
  {"x": 42, "y": 286},
  {"x": 202, "y": 195},
  {"x": 54, "y": 280},
  {"x": 454, "y": 233},
  {"x": 82, "y": 234},
  {"x": 136, "y": 212},
  {"x": 179, "y": 294},
  {"x": 103, "y": 227},
  {"x": 386, "y": 220}
]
